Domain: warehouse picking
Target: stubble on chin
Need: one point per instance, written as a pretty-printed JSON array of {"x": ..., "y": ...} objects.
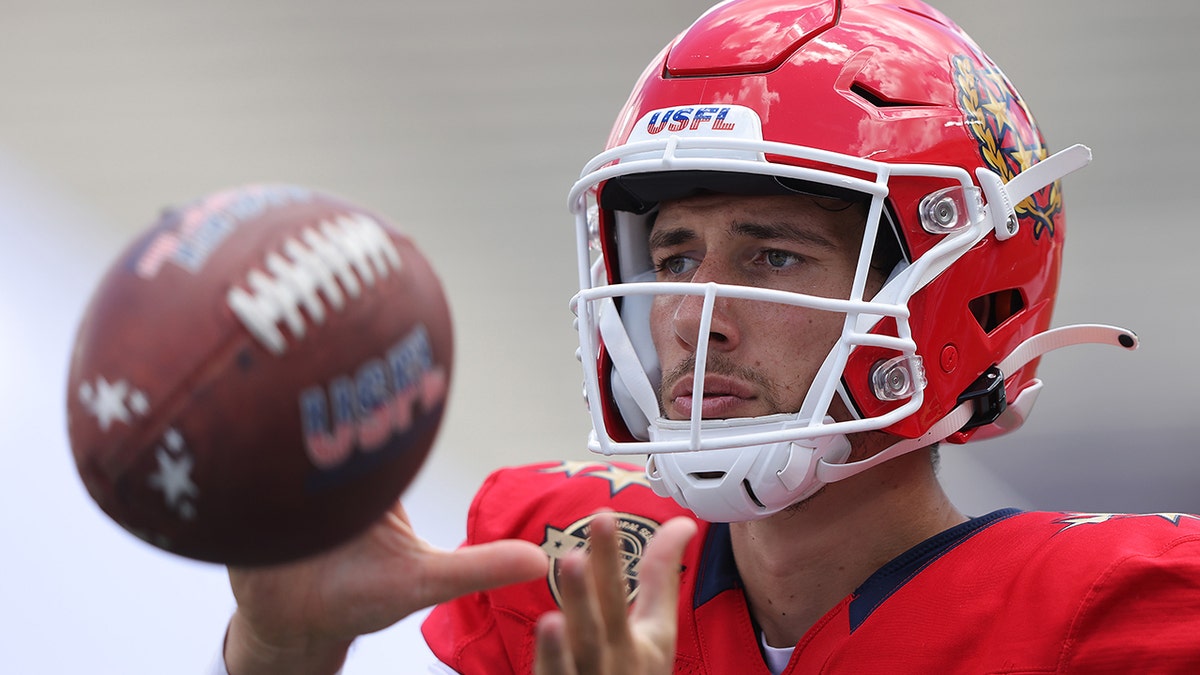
[{"x": 796, "y": 508}]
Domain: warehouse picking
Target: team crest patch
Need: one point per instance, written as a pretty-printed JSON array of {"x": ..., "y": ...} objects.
[
  {"x": 633, "y": 533},
  {"x": 1009, "y": 142}
]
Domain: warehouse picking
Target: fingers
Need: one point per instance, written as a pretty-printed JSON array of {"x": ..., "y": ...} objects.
[
  {"x": 594, "y": 633},
  {"x": 581, "y": 613},
  {"x": 658, "y": 588},
  {"x": 608, "y": 578},
  {"x": 592, "y": 587},
  {"x": 553, "y": 654}
]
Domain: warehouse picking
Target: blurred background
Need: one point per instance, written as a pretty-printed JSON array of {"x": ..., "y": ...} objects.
[{"x": 465, "y": 122}]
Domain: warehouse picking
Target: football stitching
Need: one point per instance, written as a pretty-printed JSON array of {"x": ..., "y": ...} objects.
[{"x": 324, "y": 266}]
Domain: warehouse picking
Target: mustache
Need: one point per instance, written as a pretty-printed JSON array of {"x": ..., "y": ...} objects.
[{"x": 717, "y": 364}]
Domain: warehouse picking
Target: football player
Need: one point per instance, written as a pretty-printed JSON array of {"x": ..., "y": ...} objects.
[{"x": 824, "y": 239}]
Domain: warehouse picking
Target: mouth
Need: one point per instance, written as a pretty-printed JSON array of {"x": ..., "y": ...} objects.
[{"x": 723, "y": 398}]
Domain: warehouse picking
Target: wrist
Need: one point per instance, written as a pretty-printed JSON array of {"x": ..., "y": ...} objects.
[{"x": 249, "y": 653}]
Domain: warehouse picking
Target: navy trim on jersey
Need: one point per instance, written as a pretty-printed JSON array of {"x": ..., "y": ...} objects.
[
  {"x": 889, "y": 578},
  {"x": 718, "y": 571}
]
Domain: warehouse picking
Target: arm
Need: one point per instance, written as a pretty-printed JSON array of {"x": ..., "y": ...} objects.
[
  {"x": 300, "y": 618},
  {"x": 595, "y": 633}
]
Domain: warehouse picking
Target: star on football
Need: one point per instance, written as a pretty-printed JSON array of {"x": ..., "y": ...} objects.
[
  {"x": 112, "y": 401},
  {"x": 174, "y": 478}
]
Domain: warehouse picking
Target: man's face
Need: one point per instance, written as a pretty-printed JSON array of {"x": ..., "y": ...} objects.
[{"x": 762, "y": 356}]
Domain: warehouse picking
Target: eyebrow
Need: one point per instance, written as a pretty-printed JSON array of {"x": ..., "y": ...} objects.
[
  {"x": 764, "y": 231},
  {"x": 784, "y": 232},
  {"x": 669, "y": 238}
]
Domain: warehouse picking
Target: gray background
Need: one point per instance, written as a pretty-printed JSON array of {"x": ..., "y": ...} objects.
[{"x": 465, "y": 122}]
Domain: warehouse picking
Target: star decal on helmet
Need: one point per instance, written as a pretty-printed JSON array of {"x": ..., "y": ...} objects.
[
  {"x": 1009, "y": 142},
  {"x": 618, "y": 478}
]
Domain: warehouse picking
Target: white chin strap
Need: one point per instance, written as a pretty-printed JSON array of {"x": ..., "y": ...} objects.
[{"x": 752, "y": 482}]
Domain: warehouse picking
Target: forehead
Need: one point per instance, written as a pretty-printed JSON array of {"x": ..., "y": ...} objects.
[{"x": 838, "y": 220}]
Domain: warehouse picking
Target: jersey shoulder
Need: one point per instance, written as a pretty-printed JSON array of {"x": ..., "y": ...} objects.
[
  {"x": 1068, "y": 553},
  {"x": 1106, "y": 536},
  {"x": 522, "y": 502},
  {"x": 1111, "y": 592},
  {"x": 551, "y": 505},
  {"x": 1052, "y": 593}
]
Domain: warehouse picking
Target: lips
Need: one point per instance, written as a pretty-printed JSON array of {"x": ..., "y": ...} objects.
[{"x": 723, "y": 398}]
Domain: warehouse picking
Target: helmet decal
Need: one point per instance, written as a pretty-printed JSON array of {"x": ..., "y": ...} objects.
[{"x": 1009, "y": 142}]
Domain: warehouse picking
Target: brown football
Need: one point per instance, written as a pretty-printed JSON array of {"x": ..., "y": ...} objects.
[{"x": 259, "y": 376}]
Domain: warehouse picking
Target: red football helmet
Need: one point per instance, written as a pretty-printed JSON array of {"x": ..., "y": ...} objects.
[{"x": 883, "y": 101}]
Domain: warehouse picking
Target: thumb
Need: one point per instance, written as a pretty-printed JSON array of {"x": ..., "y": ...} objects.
[{"x": 482, "y": 567}]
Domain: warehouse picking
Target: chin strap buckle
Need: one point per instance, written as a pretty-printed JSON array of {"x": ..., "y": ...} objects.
[{"x": 989, "y": 396}]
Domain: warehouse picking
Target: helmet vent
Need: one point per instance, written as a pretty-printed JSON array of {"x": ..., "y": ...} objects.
[
  {"x": 879, "y": 100},
  {"x": 750, "y": 493},
  {"x": 993, "y": 309}
]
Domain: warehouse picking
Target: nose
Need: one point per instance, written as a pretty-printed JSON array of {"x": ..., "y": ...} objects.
[{"x": 688, "y": 321}]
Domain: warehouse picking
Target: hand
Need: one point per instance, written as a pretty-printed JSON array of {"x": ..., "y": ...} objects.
[
  {"x": 595, "y": 634},
  {"x": 300, "y": 618}
]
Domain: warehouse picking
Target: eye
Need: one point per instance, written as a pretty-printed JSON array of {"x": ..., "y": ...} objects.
[
  {"x": 674, "y": 266},
  {"x": 777, "y": 259}
]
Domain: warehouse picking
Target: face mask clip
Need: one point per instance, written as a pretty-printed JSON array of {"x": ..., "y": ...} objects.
[{"x": 989, "y": 396}]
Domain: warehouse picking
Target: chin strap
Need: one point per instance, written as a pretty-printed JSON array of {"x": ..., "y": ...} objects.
[{"x": 1018, "y": 409}]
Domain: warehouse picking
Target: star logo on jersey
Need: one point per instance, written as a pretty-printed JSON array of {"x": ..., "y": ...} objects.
[
  {"x": 112, "y": 402},
  {"x": 633, "y": 533},
  {"x": 174, "y": 475},
  {"x": 1076, "y": 519},
  {"x": 618, "y": 478}
]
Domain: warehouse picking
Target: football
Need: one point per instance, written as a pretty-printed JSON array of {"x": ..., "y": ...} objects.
[{"x": 259, "y": 376}]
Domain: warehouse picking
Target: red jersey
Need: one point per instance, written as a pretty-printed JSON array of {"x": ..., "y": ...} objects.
[{"x": 1010, "y": 592}]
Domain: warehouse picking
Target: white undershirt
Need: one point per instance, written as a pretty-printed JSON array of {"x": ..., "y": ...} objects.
[{"x": 776, "y": 657}]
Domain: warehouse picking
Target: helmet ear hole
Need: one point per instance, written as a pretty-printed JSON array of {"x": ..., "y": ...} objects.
[{"x": 993, "y": 309}]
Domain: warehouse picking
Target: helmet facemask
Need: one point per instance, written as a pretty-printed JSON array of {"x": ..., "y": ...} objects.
[{"x": 742, "y": 468}]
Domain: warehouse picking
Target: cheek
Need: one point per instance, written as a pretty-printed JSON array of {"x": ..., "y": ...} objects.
[
  {"x": 793, "y": 343},
  {"x": 661, "y": 329}
]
